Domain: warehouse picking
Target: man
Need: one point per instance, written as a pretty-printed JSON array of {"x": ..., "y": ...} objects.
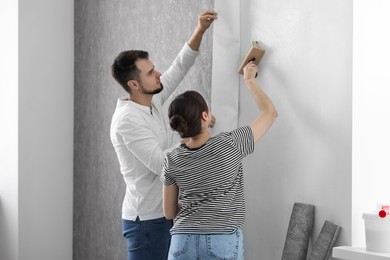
[{"x": 139, "y": 134}]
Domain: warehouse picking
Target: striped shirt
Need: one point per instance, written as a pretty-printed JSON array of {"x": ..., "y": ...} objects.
[{"x": 211, "y": 184}]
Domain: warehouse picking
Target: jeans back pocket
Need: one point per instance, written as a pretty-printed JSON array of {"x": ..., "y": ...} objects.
[
  {"x": 179, "y": 245},
  {"x": 225, "y": 246}
]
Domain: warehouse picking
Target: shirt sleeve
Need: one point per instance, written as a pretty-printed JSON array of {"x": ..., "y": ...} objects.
[
  {"x": 165, "y": 176},
  {"x": 140, "y": 141},
  {"x": 176, "y": 72},
  {"x": 242, "y": 138}
]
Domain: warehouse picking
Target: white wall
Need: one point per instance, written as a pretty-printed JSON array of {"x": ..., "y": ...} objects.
[
  {"x": 306, "y": 156},
  {"x": 45, "y": 129},
  {"x": 9, "y": 129},
  {"x": 37, "y": 104},
  {"x": 371, "y": 106}
]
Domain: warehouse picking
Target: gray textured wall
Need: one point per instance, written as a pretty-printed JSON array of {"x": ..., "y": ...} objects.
[{"x": 102, "y": 30}]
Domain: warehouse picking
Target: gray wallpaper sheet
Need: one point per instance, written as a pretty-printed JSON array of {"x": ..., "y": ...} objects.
[{"x": 102, "y": 30}]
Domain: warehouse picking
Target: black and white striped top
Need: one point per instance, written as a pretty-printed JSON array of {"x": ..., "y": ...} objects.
[{"x": 210, "y": 180}]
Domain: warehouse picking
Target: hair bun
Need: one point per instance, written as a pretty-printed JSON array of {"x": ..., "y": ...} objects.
[{"x": 178, "y": 124}]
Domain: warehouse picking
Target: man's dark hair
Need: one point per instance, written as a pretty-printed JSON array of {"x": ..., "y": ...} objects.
[{"x": 124, "y": 69}]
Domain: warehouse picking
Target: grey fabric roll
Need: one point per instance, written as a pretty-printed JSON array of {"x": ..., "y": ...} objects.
[
  {"x": 299, "y": 231},
  {"x": 322, "y": 248}
]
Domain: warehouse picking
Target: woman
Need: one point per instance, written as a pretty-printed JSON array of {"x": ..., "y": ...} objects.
[{"x": 208, "y": 173}]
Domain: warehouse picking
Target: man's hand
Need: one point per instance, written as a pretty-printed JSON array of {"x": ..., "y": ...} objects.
[
  {"x": 212, "y": 122},
  {"x": 185, "y": 140},
  {"x": 205, "y": 19}
]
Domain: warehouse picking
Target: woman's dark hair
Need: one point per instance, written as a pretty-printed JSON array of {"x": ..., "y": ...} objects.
[
  {"x": 185, "y": 113},
  {"x": 124, "y": 69}
]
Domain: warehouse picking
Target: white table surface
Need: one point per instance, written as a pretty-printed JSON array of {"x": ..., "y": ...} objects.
[{"x": 358, "y": 253}]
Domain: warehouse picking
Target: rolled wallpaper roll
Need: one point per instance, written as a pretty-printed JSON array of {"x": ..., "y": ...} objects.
[
  {"x": 322, "y": 248},
  {"x": 299, "y": 231}
]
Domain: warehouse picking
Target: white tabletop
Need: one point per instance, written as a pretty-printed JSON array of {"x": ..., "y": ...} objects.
[{"x": 358, "y": 253}]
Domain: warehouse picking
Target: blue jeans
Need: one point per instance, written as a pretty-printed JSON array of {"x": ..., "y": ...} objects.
[
  {"x": 221, "y": 247},
  {"x": 147, "y": 239}
]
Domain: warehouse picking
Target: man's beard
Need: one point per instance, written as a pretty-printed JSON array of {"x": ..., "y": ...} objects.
[{"x": 152, "y": 92}]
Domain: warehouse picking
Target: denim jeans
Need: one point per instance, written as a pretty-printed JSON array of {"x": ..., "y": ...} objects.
[
  {"x": 194, "y": 247},
  {"x": 147, "y": 239}
]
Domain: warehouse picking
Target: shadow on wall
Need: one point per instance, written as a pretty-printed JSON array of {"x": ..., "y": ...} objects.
[
  {"x": 4, "y": 246},
  {"x": 5, "y": 234},
  {"x": 2, "y": 240}
]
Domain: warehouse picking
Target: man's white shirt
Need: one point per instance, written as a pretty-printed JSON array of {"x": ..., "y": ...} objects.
[{"x": 140, "y": 136}]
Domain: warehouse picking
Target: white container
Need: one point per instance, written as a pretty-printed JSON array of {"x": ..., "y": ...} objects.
[{"x": 377, "y": 232}]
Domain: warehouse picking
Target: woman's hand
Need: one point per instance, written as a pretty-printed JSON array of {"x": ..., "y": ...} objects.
[{"x": 250, "y": 71}]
